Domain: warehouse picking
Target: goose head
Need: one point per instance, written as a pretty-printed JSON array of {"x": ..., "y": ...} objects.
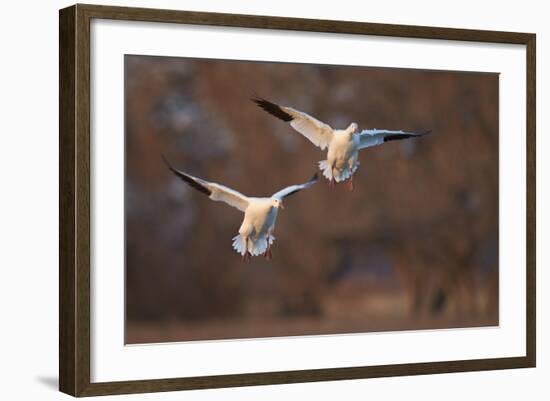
[
  {"x": 352, "y": 129},
  {"x": 277, "y": 203}
]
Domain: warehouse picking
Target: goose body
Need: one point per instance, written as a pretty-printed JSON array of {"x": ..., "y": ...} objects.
[
  {"x": 342, "y": 155},
  {"x": 258, "y": 226}
]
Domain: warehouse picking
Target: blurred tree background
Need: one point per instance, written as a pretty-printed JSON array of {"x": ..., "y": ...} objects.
[{"x": 414, "y": 247}]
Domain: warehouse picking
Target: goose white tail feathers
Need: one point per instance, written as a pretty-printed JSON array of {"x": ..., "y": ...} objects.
[
  {"x": 255, "y": 247},
  {"x": 338, "y": 175}
]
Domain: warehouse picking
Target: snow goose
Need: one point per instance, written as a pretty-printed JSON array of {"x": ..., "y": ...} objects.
[
  {"x": 256, "y": 232},
  {"x": 343, "y": 144}
]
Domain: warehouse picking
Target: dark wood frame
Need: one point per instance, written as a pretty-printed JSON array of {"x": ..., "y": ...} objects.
[{"x": 74, "y": 202}]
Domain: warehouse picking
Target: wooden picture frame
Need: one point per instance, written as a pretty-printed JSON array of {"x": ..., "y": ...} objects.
[{"x": 74, "y": 206}]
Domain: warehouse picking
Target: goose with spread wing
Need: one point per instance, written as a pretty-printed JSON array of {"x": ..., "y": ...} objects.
[
  {"x": 260, "y": 214},
  {"x": 343, "y": 144}
]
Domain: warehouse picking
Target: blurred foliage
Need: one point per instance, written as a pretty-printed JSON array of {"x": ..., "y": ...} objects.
[{"x": 415, "y": 246}]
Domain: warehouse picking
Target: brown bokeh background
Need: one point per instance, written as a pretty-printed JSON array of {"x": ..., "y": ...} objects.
[{"x": 414, "y": 247}]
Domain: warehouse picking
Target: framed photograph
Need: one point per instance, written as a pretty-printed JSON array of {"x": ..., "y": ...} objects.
[{"x": 250, "y": 200}]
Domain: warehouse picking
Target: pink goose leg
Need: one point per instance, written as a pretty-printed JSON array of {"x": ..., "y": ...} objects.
[
  {"x": 332, "y": 182},
  {"x": 246, "y": 256},
  {"x": 267, "y": 253},
  {"x": 351, "y": 185}
]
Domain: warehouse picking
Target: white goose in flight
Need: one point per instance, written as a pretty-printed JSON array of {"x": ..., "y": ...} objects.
[
  {"x": 260, "y": 214},
  {"x": 343, "y": 145}
]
